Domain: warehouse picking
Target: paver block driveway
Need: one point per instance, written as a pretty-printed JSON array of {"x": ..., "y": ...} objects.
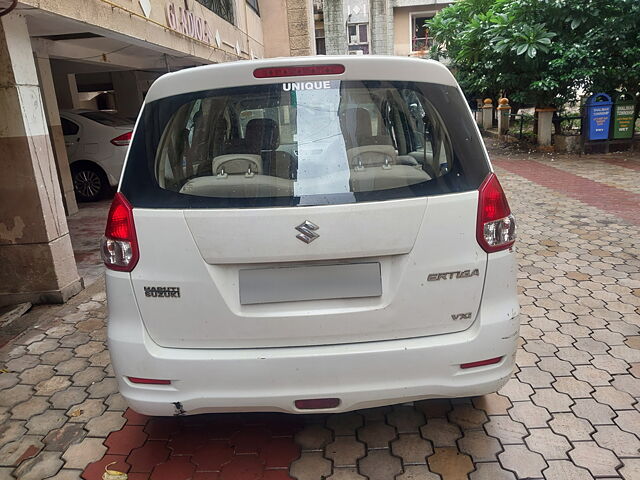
[{"x": 570, "y": 410}]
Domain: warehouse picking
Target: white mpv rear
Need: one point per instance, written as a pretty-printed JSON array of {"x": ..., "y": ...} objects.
[{"x": 308, "y": 235}]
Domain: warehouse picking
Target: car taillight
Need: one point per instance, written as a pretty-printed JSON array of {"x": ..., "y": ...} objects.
[
  {"x": 299, "y": 71},
  {"x": 122, "y": 140},
  {"x": 119, "y": 246},
  {"x": 496, "y": 226}
]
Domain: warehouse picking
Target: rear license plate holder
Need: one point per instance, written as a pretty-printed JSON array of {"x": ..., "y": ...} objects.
[{"x": 309, "y": 282}]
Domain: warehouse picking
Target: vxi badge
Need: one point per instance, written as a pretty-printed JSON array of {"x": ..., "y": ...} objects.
[{"x": 434, "y": 277}]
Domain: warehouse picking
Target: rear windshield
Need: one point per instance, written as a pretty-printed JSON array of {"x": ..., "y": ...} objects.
[
  {"x": 304, "y": 143},
  {"x": 108, "y": 119}
]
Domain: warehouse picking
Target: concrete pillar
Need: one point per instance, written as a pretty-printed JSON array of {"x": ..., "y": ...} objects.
[
  {"x": 381, "y": 27},
  {"x": 335, "y": 30},
  {"x": 479, "y": 104},
  {"x": 504, "y": 110},
  {"x": 128, "y": 94},
  {"x": 36, "y": 257},
  {"x": 66, "y": 90},
  {"x": 545, "y": 125},
  {"x": 302, "y": 38},
  {"x": 487, "y": 114},
  {"x": 45, "y": 77}
]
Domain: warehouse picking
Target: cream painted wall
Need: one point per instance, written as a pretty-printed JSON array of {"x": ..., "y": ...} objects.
[
  {"x": 128, "y": 19},
  {"x": 402, "y": 29},
  {"x": 276, "y": 28}
]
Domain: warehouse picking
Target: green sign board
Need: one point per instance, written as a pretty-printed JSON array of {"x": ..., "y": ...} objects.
[{"x": 623, "y": 117}]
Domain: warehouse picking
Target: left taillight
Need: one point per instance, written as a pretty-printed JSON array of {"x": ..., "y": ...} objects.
[
  {"x": 122, "y": 140},
  {"x": 119, "y": 245}
]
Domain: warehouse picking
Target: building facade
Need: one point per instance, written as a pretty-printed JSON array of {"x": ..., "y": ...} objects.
[
  {"x": 379, "y": 27},
  {"x": 100, "y": 54}
]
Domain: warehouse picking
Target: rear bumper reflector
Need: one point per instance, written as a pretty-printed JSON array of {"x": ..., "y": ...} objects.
[
  {"x": 481, "y": 363},
  {"x": 149, "y": 381},
  {"x": 317, "y": 403}
]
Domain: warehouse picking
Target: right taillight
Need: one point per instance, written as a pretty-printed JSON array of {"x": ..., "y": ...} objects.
[
  {"x": 119, "y": 246},
  {"x": 496, "y": 226}
]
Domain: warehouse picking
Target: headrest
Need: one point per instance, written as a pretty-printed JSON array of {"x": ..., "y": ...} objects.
[
  {"x": 237, "y": 163},
  {"x": 356, "y": 122},
  {"x": 262, "y": 134}
]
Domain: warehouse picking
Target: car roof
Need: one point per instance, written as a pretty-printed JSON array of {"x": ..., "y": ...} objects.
[{"x": 357, "y": 67}]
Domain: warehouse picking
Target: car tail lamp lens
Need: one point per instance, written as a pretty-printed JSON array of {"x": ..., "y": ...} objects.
[
  {"x": 481, "y": 363},
  {"x": 300, "y": 71},
  {"x": 122, "y": 140},
  {"x": 496, "y": 227},
  {"x": 317, "y": 403},
  {"x": 119, "y": 246},
  {"x": 149, "y": 381}
]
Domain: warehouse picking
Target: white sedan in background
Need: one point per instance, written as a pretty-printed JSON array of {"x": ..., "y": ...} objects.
[{"x": 96, "y": 144}]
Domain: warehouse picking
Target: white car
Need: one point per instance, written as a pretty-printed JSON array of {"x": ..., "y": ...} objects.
[
  {"x": 304, "y": 235},
  {"x": 96, "y": 144}
]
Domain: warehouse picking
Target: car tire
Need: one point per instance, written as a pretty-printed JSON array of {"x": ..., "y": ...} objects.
[{"x": 89, "y": 182}]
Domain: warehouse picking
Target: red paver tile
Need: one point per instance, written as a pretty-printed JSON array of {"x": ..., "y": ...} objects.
[
  {"x": 188, "y": 441},
  {"x": 249, "y": 439},
  {"x": 206, "y": 476},
  {"x": 243, "y": 467},
  {"x": 212, "y": 456},
  {"x": 218, "y": 426},
  {"x": 138, "y": 476},
  {"x": 125, "y": 440},
  {"x": 29, "y": 452},
  {"x": 279, "y": 452},
  {"x": 152, "y": 453},
  {"x": 95, "y": 470},
  {"x": 177, "y": 468},
  {"x": 613, "y": 200},
  {"x": 135, "y": 418},
  {"x": 282, "y": 426},
  {"x": 276, "y": 475},
  {"x": 162, "y": 428}
]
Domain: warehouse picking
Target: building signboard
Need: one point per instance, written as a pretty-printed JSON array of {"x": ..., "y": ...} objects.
[{"x": 188, "y": 23}]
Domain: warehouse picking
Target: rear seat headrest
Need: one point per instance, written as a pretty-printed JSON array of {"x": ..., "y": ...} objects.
[{"x": 263, "y": 133}]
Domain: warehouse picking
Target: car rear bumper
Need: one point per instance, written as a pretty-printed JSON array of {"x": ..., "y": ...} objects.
[
  {"x": 361, "y": 375},
  {"x": 271, "y": 379}
]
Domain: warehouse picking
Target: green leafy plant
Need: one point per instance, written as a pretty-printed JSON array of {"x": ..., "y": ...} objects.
[{"x": 540, "y": 52}]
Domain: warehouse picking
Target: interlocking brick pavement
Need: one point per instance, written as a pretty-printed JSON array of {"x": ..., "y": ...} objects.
[{"x": 570, "y": 411}]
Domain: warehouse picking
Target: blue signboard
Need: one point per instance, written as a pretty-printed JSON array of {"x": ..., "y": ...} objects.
[{"x": 599, "y": 116}]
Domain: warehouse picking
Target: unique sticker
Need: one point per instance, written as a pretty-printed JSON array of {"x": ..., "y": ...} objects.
[{"x": 294, "y": 86}]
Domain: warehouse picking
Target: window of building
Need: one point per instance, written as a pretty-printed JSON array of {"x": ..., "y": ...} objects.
[
  {"x": 254, "y": 5},
  {"x": 321, "y": 48},
  {"x": 222, "y": 8},
  {"x": 358, "y": 38},
  {"x": 420, "y": 39}
]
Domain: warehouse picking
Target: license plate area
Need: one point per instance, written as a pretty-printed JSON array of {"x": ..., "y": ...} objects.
[{"x": 309, "y": 282}]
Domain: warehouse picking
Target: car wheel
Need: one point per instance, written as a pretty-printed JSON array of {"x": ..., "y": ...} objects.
[{"x": 89, "y": 182}]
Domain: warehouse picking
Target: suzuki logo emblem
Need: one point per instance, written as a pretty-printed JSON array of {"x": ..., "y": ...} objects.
[{"x": 307, "y": 231}]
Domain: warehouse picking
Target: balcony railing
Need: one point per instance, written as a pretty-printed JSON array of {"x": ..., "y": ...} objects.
[{"x": 421, "y": 45}]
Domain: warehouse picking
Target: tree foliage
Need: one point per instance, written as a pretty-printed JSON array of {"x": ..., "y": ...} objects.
[{"x": 540, "y": 52}]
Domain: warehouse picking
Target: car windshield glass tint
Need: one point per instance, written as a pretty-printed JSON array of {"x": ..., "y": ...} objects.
[
  {"x": 308, "y": 143},
  {"x": 108, "y": 119}
]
